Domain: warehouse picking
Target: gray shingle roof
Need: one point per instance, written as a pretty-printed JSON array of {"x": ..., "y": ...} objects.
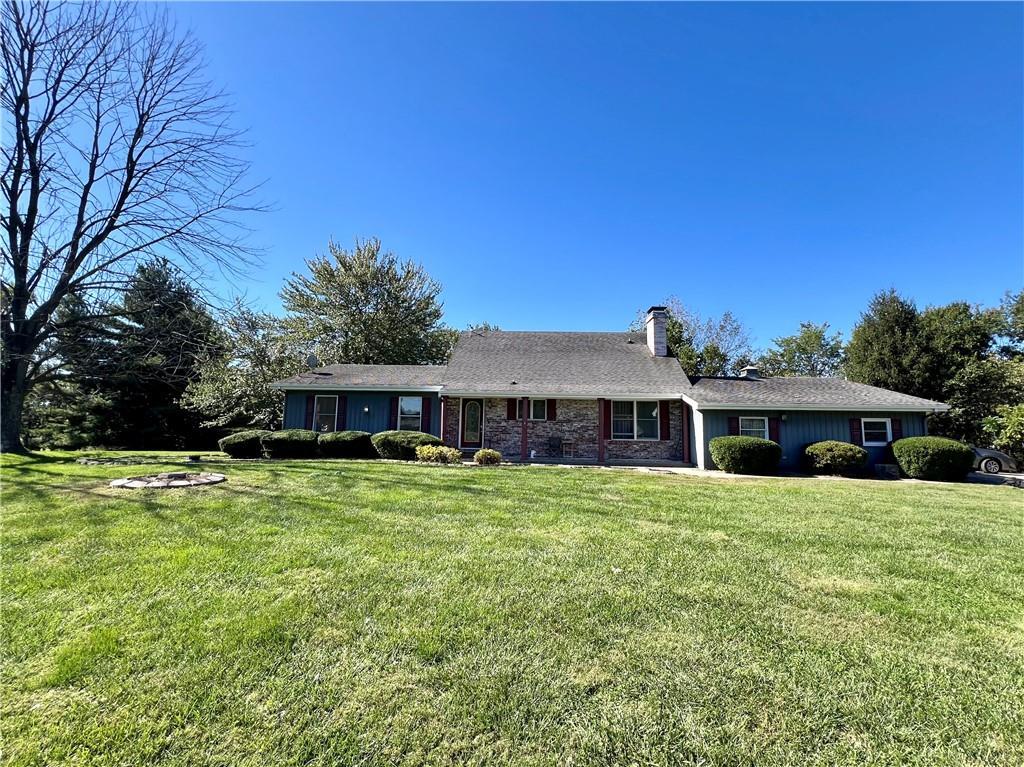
[
  {"x": 527, "y": 363},
  {"x": 368, "y": 376},
  {"x": 803, "y": 392}
]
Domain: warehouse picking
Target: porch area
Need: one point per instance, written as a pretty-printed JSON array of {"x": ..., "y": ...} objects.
[{"x": 579, "y": 431}]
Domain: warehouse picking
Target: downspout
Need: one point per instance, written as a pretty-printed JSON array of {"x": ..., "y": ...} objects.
[
  {"x": 686, "y": 433},
  {"x": 523, "y": 444}
]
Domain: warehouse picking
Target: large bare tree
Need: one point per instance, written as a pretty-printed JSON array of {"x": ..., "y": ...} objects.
[{"x": 116, "y": 149}]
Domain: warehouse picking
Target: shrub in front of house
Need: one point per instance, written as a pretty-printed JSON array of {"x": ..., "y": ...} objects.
[
  {"x": 934, "y": 458},
  {"x": 834, "y": 457},
  {"x": 346, "y": 444},
  {"x": 438, "y": 454},
  {"x": 487, "y": 457},
  {"x": 243, "y": 444},
  {"x": 746, "y": 455},
  {"x": 290, "y": 443},
  {"x": 401, "y": 445}
]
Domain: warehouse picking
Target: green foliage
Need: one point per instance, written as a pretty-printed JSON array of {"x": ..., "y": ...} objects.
[
  {"x": 365, "y": 306},
  {"x": 290, "y": 443},
  {"x": 487, "y": 457},
  {"x": 811, "y": 352},
  {"x": 977, "y": 392},
  {"x": 1005, "y": 430},
  {"x": 244, "y": 444},
  {"x": 834, "y": 457},
  {"x": 935, "y": 458},
  {"x": 885, "y": 346},
  {"x": 401, "y": 445},
  {"x": 233, "y": 387},
  {"x": 1012, "y": 310},
  {"x": 945, "y": 353},
  {"x": 745, "y": 455},
  {"x": 346, "y": 444},
  {"x": 438, "y": 454},
  {"x": 123, "y": 369}
]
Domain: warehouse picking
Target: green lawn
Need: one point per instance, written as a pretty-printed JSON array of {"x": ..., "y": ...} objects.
[{"x": 368, "y": 613}]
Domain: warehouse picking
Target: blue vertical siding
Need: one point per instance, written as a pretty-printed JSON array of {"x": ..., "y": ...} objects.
[
  {"x": 802, "y": 427},
  {"x": 365, "y": 411}
]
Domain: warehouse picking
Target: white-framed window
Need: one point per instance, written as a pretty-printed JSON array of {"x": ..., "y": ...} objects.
[
  {"x": 754, "y": 427},
  {"x": 876, "y": 432},
  {"x": 538, "y": 409},
  {"x": 635, "y": 419},
  {"x": 325, "y": 412},
  {"x": 410, "y": 413}
]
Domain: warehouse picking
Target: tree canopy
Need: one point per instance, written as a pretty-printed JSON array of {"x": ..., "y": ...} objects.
[
  {"x": 366, "y": 306},
  {"x": 233, "y": 388},
  {"x": 811, "y": 352}
]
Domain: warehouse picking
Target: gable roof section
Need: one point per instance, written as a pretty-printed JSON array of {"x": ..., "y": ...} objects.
[
  {"x": 537, "y": 364},
  {"x": 801, "y": 393},
  {"x": 369, "y": 377}
]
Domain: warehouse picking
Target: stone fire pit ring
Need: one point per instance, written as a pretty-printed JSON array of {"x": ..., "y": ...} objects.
[{"x": 170, "y": 479}]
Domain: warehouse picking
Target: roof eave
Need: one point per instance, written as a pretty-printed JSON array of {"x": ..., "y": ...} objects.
[
  {"x": 562, "y": 395},
  {"x": 291, "y": 386},
  {"x": 938, "y": 407}
]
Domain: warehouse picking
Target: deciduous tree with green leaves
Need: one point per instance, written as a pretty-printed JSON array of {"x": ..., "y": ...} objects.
[
  {"x": 811, "y": 352},
  {"x": 366, "y": 306},
  {"x": 233, "y": 389}
]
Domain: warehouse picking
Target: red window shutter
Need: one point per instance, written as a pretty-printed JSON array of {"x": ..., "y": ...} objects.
[
  {"x": 607, "y": 419},
  {"x": 855, "y": 435},
  {"x": 310, "y": 400},
  {"x": 342, "y": 412},
  {"x": 393, "y": 419},
  {"x": 773, "y": 430},
  {"x": 552, "y": 410},
  {"x": 425, "y": 416},
  {"x": 663, "y": 426},
  {"x": 734, "y": 425},
  {"x": 897, "y": 429},
  {"x": 510, "y": 409}
]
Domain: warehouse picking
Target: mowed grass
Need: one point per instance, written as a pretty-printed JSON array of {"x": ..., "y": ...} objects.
[{"x": 333, "y": 613}]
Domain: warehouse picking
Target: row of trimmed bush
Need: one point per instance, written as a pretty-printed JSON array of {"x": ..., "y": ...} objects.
[
  {"x": 303, "y": 443},
  {"x": 935, "y": 458}
]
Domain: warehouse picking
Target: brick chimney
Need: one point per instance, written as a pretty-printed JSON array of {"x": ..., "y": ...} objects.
[{"x": 657, "y": 340}]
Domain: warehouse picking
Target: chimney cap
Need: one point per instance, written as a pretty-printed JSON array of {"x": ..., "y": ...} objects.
[
  {"x": 657, "y": 309},
  {"x": 750, "y": 371}
]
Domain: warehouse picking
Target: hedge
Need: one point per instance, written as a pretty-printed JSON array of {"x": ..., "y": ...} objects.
[
  {"x": 346, "y": 444},
  {"x": 438, "y": 454},
  {"x": 402, "y": 444},
  {"x": 746, "y": 455},
  {"x": 834, "y": 457},
  {"x": 290, "y": 443},
  {"x": 935, "y": 458},
  {"x": 243, "y": 444},
  {"x": 487, "y": 457}
]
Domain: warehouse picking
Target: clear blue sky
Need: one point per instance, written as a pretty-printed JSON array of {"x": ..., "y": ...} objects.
[{"x": 561, "y": 166}]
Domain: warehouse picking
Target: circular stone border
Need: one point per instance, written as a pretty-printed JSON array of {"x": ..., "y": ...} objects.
[{"x": 169, "y": 479}]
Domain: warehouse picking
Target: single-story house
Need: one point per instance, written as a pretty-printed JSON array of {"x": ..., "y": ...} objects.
[{"x": 596, "y": 397}]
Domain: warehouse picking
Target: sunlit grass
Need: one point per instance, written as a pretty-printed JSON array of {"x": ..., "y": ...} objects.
[{"x": 330, "y": 612}]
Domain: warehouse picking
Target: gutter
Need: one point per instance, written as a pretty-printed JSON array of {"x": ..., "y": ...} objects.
[
  {"x": 938, "y": 407},
  {"x": 347, "y": 387}
]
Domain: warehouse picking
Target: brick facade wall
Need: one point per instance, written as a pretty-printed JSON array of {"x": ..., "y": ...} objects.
[
  {"x": 576, "y": 420},
  {"x": 670, "y": 449}
]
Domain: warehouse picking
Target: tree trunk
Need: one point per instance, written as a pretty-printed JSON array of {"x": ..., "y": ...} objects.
[{"x": 12, "y": 404}]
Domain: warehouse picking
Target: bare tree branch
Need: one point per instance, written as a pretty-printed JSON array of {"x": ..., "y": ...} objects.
[{"x": 118, "y": 150}]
